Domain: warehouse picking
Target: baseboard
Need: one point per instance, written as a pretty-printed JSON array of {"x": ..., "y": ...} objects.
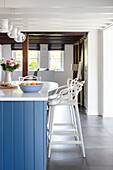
[
  {"x": 92, "y": 113},
  {"x": 97, "y": 114},
  {"x": 107, "y": 115}
]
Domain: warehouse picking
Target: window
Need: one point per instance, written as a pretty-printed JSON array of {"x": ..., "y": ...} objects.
[
  {"x": 56, "y": 60},
  {"x": 34, "y": 59}
]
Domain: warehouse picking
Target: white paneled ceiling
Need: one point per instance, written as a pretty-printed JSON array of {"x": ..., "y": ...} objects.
[{"x": 58, "y": 15}]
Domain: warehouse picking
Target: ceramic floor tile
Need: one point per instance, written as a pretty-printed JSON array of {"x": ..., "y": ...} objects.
[
  {"x": 98, "y": 142},
  {"x": 97, "y": 131},
  {"x": 99, "y": 157},
  {"x": 110, "y": 130},
  {"x": 101, "y": 168}
]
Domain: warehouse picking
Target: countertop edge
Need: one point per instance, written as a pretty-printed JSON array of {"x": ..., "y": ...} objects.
[{"x": 24, "y": 99}]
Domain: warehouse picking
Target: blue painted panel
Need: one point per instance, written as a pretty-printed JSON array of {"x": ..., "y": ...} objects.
[
  {"x": 1, "y": 137},
  {"x": 18, "y": 136},
  {"x": 8, "y": 135},
  {"x": 40, "y": 133},
  {"x": 23, "y": 135},
  {"x": 29, "y": 141},
  {"x": 44, "y": 133}
]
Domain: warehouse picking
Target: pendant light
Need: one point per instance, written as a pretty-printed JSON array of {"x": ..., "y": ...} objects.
[
  {"x": 4, "y": 28},
  {"x": 10, "y": 26},
  {"x": 13, "y": 33},
  {"x": 20, "y": 38},
  {"x": 23, "y": 37}
]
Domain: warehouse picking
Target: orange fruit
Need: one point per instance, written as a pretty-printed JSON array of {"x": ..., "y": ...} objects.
[
  {"x": 22, "y": 83},
  {"x": 33, "y": 83}
]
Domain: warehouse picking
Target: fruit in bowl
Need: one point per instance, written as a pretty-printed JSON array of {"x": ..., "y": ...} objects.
[
  {"x": 31, "y": 83},
  {"x": 30, "y": 87}
]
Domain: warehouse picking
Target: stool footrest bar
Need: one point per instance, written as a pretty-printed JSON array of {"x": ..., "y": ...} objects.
[
  {"x": 65, "y": 130},
  {"x": 63, "y": 124},
  {"x": 65, "y": 134},
  {"x": 65, "y": 142}
]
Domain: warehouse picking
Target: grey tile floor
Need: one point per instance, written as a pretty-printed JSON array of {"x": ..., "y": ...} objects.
[{"x": 98, "y": 139}]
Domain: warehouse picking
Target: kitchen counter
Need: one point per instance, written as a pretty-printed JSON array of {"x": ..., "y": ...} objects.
[{"x": 23, "y": 128}]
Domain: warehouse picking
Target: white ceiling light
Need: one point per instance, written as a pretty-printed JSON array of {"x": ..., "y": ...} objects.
[
  {"x": 20, "y": 38},
  {"x": 23, "y": 37},
  {"x": 10, "y": 26},
  {"x": 13, "y": 33},
  {"x": 4, "y": 28},
  {"x": 18, "y": 32}
]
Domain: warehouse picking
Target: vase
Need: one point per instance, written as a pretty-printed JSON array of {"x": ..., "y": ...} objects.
[{"x": 7, "y": 77}]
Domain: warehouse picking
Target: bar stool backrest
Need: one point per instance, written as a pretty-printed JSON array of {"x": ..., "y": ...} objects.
[
  {"x": 71, "y": 93},
  {"x": 70, "y": 81},
  {"x": 30, "y": 77}
]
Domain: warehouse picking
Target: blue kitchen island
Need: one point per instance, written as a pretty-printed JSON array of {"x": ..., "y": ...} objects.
[{"x": 23, "y": 128}]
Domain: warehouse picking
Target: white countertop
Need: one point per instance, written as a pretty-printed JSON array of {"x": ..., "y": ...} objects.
[{"x": 19, "y": 95}]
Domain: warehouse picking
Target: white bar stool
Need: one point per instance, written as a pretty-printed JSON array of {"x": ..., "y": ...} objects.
[
  {"x": 70, "y": 82},
  {"x": 67, "y": 96},
  {"x": 55, "y": 95}
]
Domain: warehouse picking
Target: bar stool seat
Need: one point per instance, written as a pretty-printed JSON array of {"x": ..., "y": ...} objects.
[{"x": 68, "y": 97}]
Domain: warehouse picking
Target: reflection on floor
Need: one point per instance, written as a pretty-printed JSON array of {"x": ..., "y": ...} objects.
[{"x": 98, "y": 139}]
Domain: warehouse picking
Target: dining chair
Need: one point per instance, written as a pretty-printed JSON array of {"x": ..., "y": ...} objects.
[
  {"x": 66, "y": 97},
  {"x": 30, "y": 77}
]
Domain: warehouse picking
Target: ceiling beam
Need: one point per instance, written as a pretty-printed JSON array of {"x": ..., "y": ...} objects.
[
  {"x": 54, "y": 34},
  {"x": 47, "y": 37}
]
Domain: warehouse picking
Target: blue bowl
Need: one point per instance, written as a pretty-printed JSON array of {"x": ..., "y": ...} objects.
[{"x": 31, "y": 88}]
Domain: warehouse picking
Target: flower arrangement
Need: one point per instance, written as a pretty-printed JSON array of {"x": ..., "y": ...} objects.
[{"x": 10, "y": 65}]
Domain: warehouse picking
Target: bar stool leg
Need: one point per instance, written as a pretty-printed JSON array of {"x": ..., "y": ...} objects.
[
  {"x": 51, "y": 129},
  {"x": 80, "y": 129},
  {"x": 71, "y": 112},
  {"x": 75, "y": 123},
  {"x": 48, "y": 125}
]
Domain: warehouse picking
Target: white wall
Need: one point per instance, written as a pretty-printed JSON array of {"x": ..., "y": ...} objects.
[
  {"x": 62, "y": 76},
  {"x": 44, "y": 56},
  {"x": 92, "y": 73},
  {"x": 86, "y": 75},
  {"x": 100, "y": 73},
  {"x": 105, "y": 70},
  {"x": 108, "y": 72},
  {"x": 6, "y": 53}
]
